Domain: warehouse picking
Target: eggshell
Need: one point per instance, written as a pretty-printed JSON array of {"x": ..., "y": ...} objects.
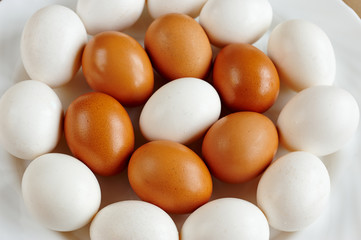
[
  {"x": 245, "y": 78},
  {"x": 178, "y": 47},
  {"x": 116, "y": 64},
  {"x": 180, "y": 111},
  {"x": 99, "y": 132},
  {"x": 170, "y": 175},
  {"x": 60, "y": 192},
  {"x": 319, "y": 119},
  {"x": 31, "y": 119},
  {"x": 132, "y": 219},
  {"x": 235, "y": 21},
  {"x": 110, "y": 15},
  {"x": 157, "y": 8},
  {"x": 303, "y": 54},
  {"x": 51, "y": 45},
  {"x": 226, "y": 219},
  {"x": 239, "y": 146},
  {"x": 293, "y": 192}
]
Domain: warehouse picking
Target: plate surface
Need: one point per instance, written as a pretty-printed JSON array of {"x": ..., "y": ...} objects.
[{"x": 342, "y": 218}]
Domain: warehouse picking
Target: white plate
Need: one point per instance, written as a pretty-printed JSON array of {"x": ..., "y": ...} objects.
[{"x": 341, "y": 220}]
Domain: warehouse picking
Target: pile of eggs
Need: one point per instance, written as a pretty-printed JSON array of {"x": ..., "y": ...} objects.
[{"x": 215, "y": 88}]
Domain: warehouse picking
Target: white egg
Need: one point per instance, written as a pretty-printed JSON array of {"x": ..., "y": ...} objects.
[
  {"x": 157, "y": 8},
  {"x": 303, "y": 54},
  {"x": 60, "y": 192},
  {"x": 235, "y": 21},
  {"x": 111, "y": 15},
  {"x": 51, "y": 45},
  {"x": 133, "y": 219},
  {"x": 181, "y": 111},
  {"x": 319, "y": 119},
  {"x": 294, "y": 191},
  {"x": 31, "y": 119},
  {"x": 226, "y": 219}
]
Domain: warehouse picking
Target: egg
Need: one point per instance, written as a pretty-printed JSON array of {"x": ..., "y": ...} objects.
[
  {"x": 227, "y": 219},
  {"x": 319, "y": 119},
  {"x": 303, "y": 54},
  {"x": 235, "y": 21},
  {"x": 99, "y": 132},
  {"x": 239, "y": 146},
  {"x": 60, "y": 192},
  {"x": 116, "y": 64},
  {"x": 111, "y": 15},
  {"x": 31, "y": 119},
  {"x": 170, "y": 175},
  {"x": 245, "y": 78},
  {"x": 157, "y": 8},
  {"x": 181, "y": 111},
  {"x": 52, "y": 42},
  {"x": 178, "y": 47},
  {"x": 294, "y": 191},
  {"x": 133, "y": 219}
]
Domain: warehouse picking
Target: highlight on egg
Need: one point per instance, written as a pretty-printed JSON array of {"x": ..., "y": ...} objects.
[
  {"x": 60, "y": 192},
  {"x": 178, "y": 47},
  {"x": 157, "y": 8},
  {"x": 294, "y": 191},
  {"x": 51, "y": 45},
  {"x": 181, "y": 111},
  {"x": 303, "y": 54},
  {"x": 170, "y": 175}
]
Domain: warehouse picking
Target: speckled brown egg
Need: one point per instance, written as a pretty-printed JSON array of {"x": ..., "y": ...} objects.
[
  {"x": 170, "y": 175},
  {"x": 178, "y": 47},
  {"x": 245, "y": 78},
  {"x": 239, "y": 146},
  {"x": 99, "y": 132}
]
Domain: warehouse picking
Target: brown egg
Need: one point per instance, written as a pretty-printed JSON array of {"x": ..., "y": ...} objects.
[
  {"x": 116, "y": 64},
  {"x": 239, "y": 146},
  {"x": 99, "y": 132},
  {"x": 178, "y": 47},
  {"x": 245, "y": 78},
  {"x": 170, "y": 175}
]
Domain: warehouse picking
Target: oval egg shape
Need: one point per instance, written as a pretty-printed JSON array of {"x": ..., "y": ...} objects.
[
  {"x": 60, "y": 192},
  {"x": 178, "y": 47},
  {"x": 226, "y": 219},
  {"x": 245, "y": 78},
  {"x": 239, "y": 146},
  {"x": 52, "y": 43},
  {"x": 235, "y": 21},
  {"x": 294, "y": 191},
  {"x": 303, "y": 54},
  {"x": 319, "y": 119},
  {"x": 31, "y": 119},
  {"x": 181, "y": 111},
  {"x": 99, "y": 132},
  {"x": 170, "y": 175},
  {"x": 116, "y": 64},
  {"x": 133, "y": 219}
]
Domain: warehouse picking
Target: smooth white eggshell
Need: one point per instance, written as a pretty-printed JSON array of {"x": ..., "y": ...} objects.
[
  {"x": 51, "y": 45},
  {"x": 235, "y": 21},
  {"x": 181, "y": 111},
  {"x": 31, "y": 119},
  {"x": 60, "y": 192},
  {"x": 111, "y": 15},
  {"x": 319, "y": 119},
  {"x": 303, "y": 54},
  {"x": 157, "y": 8},
  {"x": 294, "y": 191},
  {"x": 133, "y": 219},
  {"x": 226, "y": 219}
]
